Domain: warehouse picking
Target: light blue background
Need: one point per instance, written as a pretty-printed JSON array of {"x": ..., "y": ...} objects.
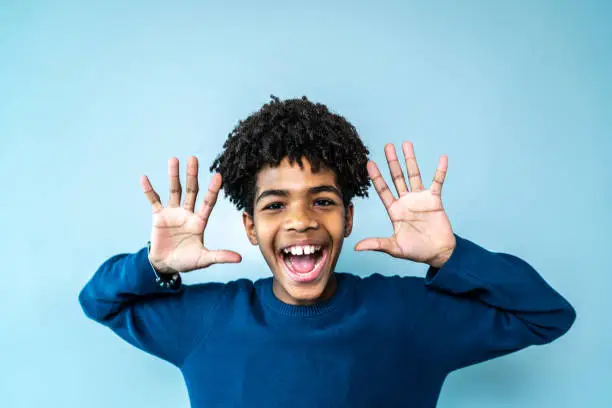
[{"x": 517, "y": 94}]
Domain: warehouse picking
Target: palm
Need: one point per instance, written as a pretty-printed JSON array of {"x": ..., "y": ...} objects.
[
  {"x": 418, "y": 218},
  {"x": 421, "y": 228},
  {"x": 177, "y": 237}
]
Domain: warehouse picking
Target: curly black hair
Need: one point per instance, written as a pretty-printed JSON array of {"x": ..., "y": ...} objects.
[{"x": 292, "y": 128}]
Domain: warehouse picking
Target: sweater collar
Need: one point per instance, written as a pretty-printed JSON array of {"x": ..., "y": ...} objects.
[{"x": 269, "y": 299}]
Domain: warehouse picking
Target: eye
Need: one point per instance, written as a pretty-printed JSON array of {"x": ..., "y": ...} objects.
[
  {"x": 324, "y": 202},
  {"x": 273, "y": 206}
]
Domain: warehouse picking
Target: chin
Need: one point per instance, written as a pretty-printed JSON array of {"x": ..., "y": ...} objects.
[{"x": 305, "y": 294}]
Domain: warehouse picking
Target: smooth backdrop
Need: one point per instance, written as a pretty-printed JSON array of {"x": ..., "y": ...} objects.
[{"x": 95, "y": 94}]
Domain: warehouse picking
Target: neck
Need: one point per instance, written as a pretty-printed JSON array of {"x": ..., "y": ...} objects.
[{"x": 327, "y": 293}]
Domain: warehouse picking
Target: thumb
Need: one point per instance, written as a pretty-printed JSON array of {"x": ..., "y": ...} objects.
[
  {"x": 219, "y": 256},
  {"x": 376, "y": 244}
]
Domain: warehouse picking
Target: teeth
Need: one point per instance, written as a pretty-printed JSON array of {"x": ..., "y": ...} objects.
[{"x": 302, "y": 249}]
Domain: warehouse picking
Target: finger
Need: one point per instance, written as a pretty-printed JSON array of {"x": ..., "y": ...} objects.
[
  {"x": 151, "y": 194},
  {"x": 438, "y": 180},
  {"x": 380, "y": 185},
  {"x": 192, "y": 184},
  {"x": 216, "y": 257},
  {"x": 414, "y": 175},
  {"x": 175, "y": 183},
  {"x": 386, "y": 245},
  {"x": 211, "y": 197},
  {"x": 397, "y": 174}
]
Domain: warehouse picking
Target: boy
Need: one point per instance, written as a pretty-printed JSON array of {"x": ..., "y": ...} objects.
[{"x": 309, "y": 336}]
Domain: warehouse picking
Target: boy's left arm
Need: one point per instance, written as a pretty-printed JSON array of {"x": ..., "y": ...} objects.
[{"x": 480, "y": 304}]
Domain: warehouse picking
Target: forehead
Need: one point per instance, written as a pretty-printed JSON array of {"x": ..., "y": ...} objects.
[{"x": 291, "y": 177}]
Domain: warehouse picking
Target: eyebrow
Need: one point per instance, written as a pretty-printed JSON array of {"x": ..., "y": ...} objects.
[{"x": 312, "y": 190}]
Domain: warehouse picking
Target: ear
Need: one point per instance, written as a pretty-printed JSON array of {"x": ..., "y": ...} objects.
[
  {"x": 249, "y": 227},
  {"x": 348, "y": 220}
]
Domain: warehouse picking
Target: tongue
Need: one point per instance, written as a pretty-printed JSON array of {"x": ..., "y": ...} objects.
[{"x": 303, "y": 263}]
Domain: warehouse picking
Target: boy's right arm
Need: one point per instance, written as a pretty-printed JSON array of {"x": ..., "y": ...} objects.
[
  {"x": 167, "y": 323},
  {"x": 123, "y": 293}
]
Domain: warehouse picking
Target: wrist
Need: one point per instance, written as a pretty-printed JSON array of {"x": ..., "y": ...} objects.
[
  {"x": 164, "y": 276},
  {"x": 439, "y": 260},
  {"x": 158, "y": 266},
  {"x": 160, "y": 269}
]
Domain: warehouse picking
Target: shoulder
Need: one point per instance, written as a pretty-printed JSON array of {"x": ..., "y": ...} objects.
[
  {"x": 392, "y": 301},
  {"x": 388, "y": 290},
  {"x": 214, "y": 292},
  {"x": 378, "y": 282},
  {"x": 231, "y": 287}
]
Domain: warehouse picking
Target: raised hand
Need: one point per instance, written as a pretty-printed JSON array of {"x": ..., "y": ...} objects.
[
  {"x": 421, "y": 228},
  {"x": 177, "y": 237}
]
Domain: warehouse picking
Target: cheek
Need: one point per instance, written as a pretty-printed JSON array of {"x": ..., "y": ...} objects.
[
  {"x": 335, "y": 225},
  {"x": 265, "y": 233}
]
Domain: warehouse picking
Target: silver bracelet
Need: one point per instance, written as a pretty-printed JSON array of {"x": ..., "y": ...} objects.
[{"x": 164, "y": 280}]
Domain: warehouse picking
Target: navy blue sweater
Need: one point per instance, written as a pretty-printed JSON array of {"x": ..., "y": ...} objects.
[{"x": 379, "y": 341}]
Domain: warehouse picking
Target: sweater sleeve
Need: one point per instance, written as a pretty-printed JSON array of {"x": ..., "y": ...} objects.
[
  {"x": 481, "y": 305},
  {"x": 167, "y": 323}
]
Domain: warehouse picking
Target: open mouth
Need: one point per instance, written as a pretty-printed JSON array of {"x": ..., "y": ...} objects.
[{"x": 304, "y": 263}]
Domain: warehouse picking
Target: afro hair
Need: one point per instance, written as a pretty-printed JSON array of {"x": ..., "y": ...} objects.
[{"x": 296, "y": 129}]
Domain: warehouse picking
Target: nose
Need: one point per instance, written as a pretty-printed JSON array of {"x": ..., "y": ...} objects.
[{"x": 300, "y": 219}]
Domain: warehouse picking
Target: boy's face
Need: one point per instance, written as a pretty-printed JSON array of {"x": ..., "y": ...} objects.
[{"x": 297, "y": 212}]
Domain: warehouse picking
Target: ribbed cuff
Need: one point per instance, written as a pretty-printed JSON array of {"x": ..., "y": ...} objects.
[{"x": 457, "y": 274}]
